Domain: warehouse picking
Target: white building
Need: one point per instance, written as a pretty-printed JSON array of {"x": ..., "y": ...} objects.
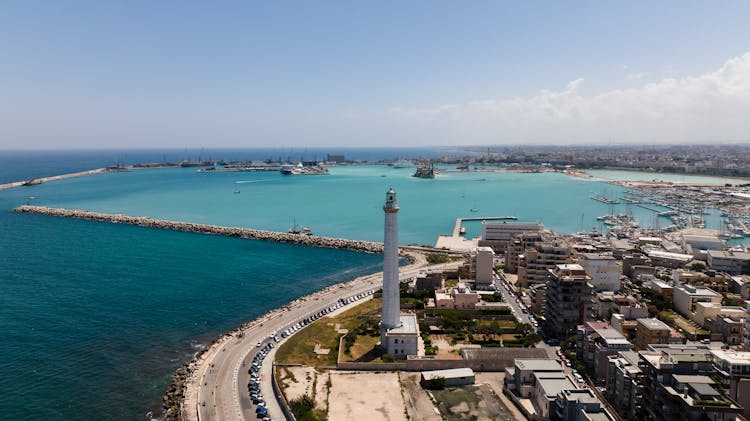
[
  {"x": 452, "y": 376},
  {"x": 604, "y": 271},
  {"x": 483, "y": 267},
  {"x": 687, "y": 297},
  {"x": 399, "y": 333}
]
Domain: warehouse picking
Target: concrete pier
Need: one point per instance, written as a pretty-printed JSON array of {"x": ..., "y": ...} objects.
[{"x": 281, "y": 237}]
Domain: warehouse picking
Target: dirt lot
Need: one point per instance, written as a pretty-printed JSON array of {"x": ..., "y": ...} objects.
[
  {"x": 418, "y": 403},
  {"x": 366, "y": 396}
]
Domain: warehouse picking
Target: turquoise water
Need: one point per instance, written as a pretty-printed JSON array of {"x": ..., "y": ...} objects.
[
  {"x": 95, "y": 317},
  {"x": 346, "y": 203}
]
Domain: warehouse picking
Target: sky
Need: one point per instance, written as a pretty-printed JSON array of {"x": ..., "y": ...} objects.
[{"x": 122, "y": 74}]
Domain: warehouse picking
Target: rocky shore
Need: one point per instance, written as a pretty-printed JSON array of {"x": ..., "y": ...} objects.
[{"x": 144, "y": 221}]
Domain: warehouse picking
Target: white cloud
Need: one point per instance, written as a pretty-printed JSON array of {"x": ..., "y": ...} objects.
[{"x": 711, "y": 107}]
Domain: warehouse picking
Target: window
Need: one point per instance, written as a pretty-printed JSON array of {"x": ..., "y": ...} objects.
[{"x": 395, "y": 341}]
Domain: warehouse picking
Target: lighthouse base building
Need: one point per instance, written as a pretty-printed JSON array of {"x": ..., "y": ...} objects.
[{"x": 403, "y": 340}]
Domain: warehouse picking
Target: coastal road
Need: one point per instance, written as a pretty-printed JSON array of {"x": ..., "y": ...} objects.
[{"x": 221, "y": 378}]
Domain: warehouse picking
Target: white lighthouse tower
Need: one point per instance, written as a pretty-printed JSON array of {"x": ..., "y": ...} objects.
[
  {"x": 399, "y": 333},
  {"x": 391, "y": 296}
]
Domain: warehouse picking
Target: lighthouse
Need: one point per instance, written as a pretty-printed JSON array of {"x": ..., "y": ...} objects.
[
  {"x": 399, "y": 333},
  {"x": 391, "y": 296}
]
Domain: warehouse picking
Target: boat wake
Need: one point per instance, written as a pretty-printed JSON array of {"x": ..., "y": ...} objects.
[{"x": 248, "y": 181}]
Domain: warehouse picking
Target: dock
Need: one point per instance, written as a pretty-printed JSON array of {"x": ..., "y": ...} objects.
[
  {"x": 455, "y": 242},
  {"x": 459, "y": 221}
]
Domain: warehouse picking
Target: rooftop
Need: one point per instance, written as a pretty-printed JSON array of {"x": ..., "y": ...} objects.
[
  {"x": 596, "y": 256},
  {"x": 554, "y": 386},
  {"x": 450, "y": 373},
  {"x": 653, "y": 324},
  {"x": 732, "y": 357},
  {"x": 408, "y": 325},
  {"x": 534, "y": 364},
  {"x": 697, "y": 291}
]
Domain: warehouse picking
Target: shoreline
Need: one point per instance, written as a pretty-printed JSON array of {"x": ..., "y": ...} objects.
[
  {"x": 249, "y": 233},
  {"x": 182, "y": 393}
]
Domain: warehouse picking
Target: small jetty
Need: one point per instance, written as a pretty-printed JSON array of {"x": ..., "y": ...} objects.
[
  {"x": 255, "y": 234},
  {"x": 600, "y": 198}
]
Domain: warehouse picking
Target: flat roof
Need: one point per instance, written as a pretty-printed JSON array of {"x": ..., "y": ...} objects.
[
  {"x": 570, "y": 266},
  {"x": 668, "y": 255},
  {"x": 408, "y": 325},
  {"x": 552, "y": 387},
  {"x": 697, "y": 291},
  {"x": 704, "y": 389},
  {"x": 732, "y": 357},
  {"x": 596, "y": 256},
  {"x": 653, "y": 324},
  {"x": 738, "y": 255},
  {"x": 541, "y": 364},
  {"x": 684, "y": 378},
  {"x": 450, "y": 373}
]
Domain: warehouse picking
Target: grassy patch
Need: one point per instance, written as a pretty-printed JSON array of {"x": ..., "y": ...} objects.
[
  {"x": 435, "y": 258},
  {"x": 299, "y": 349},
  {"x": 678, "y": 322},
  {"x": 362, "y": 348}
]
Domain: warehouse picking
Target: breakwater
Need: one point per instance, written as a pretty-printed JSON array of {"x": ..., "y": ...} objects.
[
  {"x": 255, "y": 234},
  {"x": 35, "y": 181}
]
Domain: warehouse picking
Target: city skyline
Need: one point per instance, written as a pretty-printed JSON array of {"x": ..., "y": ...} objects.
[{"x": 175, "y": 75}]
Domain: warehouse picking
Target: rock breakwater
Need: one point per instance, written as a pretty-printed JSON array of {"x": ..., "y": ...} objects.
[{"x": 255, "y": 234}]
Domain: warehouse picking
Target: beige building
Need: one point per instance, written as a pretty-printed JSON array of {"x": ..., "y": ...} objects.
[
  {"x": 498, "y": 234},
  {"x": 651, "y": 331},
  {"x": 534, "y": 264}
]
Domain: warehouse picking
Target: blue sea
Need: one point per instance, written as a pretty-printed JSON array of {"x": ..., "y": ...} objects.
[{"x": 95, "y": 317}]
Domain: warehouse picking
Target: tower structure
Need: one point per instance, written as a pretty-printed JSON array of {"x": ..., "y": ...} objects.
[
  {"x": 399, "y": 333},
  {"x": 391, "y": 295}
]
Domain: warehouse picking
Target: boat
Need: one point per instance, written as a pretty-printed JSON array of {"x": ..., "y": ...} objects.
[
  {"x": 474, "y": 209},
  {"x": 296, "y": 229},
  {"x": 462, "y": 231},
  {"x": 290, "y": 169},
  {"x": 425, "y": 171}
]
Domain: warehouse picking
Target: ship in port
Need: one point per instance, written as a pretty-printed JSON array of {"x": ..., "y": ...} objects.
[{"x": 425, "y": 171}]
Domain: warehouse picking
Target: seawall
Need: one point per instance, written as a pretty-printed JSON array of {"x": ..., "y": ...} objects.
[{"x": 144, "y": 221}]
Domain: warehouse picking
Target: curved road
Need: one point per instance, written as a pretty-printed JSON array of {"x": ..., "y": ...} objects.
[{"x": 222, "y": 376}]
